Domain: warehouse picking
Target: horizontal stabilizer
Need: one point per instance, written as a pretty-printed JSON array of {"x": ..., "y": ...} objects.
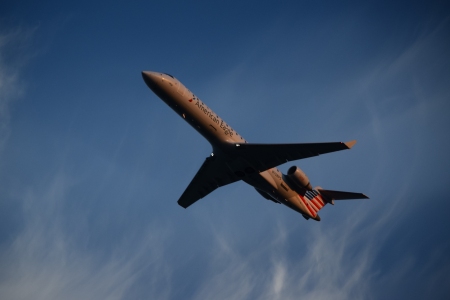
[{"x": 338, "y": 195}]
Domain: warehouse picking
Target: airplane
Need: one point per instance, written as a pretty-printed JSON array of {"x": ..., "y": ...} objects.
[{"x": 234, "y": 159}]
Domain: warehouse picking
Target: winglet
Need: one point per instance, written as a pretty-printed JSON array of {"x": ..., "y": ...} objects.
[{"x": 350, "y": 144}]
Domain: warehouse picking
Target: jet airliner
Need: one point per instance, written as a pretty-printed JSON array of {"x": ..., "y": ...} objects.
[{"x": 234, "y": 159}]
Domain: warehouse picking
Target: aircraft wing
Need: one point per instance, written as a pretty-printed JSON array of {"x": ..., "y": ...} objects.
[
  {"x": 266, "y": 156},
  {"x": 213, "y": 173},
  {"x": 216, "y": 172}
]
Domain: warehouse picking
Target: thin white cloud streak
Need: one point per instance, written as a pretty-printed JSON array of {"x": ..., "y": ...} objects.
[
  {"x": 339, "y": 263},
  {"x": 15, "y": 53},
  {"x": 421, "y": 102},
  {"x": 45, "y": 262},
  {"x": 9, "y": 88},
  {"x": 330, "y": 268}
]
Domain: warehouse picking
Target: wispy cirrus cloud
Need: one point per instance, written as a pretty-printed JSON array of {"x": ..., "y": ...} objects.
[
  {"x": 44, "y": 257},
  {"x": 14, "y": 54},
  {"x": 47, "y": 260},
  {"x": 9, "y": 90},
  {"x": 328, "y": 268},
  {"x": 346, "y": 261}
]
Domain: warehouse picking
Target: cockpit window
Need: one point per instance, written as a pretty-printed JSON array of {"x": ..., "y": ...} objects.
[{"x": 169, "y": 75}]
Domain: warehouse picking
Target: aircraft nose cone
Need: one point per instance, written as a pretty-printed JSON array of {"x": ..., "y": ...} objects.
[{"x": 152, "y": 79}]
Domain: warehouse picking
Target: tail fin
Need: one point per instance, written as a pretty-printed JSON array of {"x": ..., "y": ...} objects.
[{"x": 316, "y": 201}]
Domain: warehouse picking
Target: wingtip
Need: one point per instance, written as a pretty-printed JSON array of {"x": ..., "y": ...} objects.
[
  {"x": 350, "y": 144},
  {"x": 183, "y": 205}
]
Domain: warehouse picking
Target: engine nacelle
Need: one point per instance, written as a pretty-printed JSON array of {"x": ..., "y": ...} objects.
[{"x": 298, "y": 177}]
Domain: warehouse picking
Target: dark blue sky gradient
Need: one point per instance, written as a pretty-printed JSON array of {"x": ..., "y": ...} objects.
[{"x": 92, "y": 162}]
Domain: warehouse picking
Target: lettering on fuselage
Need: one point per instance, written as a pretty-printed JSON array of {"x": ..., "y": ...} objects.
[
  {"x": 207, "y": 111},
  {"x": 226, "y": 129}
]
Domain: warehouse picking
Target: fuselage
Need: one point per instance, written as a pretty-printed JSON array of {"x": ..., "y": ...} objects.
[{"x": 271, "y": 183}]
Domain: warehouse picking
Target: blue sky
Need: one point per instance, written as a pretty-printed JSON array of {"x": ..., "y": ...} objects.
[{"x": 92, "y": 162}]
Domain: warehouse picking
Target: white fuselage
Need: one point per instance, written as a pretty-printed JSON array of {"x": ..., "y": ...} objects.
[{"x": 221, "y": 135}]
